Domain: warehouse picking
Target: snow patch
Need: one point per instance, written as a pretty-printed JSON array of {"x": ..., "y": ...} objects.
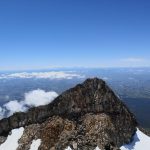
[
  {"x": 97, "y": 148},
  {"x": 68, "y": 148},
  {"x": 11, "y": 142},
  {"x": 140, "y": 142},
  {"x": 35, "y": 144}
]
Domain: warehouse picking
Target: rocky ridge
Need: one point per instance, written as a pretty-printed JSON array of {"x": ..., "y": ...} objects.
[{"x": 83, "y": 117}]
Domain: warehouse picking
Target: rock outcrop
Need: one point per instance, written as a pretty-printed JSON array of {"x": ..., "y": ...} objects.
[{"x": 83, "y": 117}]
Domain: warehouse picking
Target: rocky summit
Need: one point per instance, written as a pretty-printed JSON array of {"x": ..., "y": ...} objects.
[{"x": 82, "y": 118}]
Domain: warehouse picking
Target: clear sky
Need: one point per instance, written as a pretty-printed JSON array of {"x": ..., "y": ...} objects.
[{"x": 89, "y": 33}]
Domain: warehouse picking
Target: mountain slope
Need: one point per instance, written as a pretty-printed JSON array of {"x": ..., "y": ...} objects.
[
  {"x": 84, "y": 117},
  {"x": 140, "y": 142}
]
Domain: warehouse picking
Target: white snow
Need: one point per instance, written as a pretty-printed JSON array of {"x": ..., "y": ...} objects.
[
  {"x": 68, "y": 148},
  {"x": 97, "y": 148},
  {"x": 35, "y": 144},
  {"x": 140, "y": 142},
  {"x": 11, "y": 142}
]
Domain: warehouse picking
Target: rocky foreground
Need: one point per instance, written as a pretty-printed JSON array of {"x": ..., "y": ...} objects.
[{"x": 83, "y": 117}]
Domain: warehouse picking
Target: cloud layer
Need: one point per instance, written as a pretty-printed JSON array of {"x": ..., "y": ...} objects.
[
  {"x": 40, "y": 75},
  {"x": 31, "y": 99}
]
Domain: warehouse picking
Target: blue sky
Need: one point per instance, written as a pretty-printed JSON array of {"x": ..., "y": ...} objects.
[{"x": 91, "y": 33}]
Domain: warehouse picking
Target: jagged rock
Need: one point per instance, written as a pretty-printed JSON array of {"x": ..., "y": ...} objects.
[
  {"x": 145, "y": 131},
  {"x": 83, "y": 117},
  {"x": 2, "y": 139},
  {"x": 31, "y": 132}
]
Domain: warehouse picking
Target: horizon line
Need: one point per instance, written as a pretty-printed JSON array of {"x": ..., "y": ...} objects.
[{"x": 74, "y": 67}]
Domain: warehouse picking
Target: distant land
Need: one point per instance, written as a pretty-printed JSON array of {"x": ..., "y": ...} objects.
[{"x": 132, "y": 85}]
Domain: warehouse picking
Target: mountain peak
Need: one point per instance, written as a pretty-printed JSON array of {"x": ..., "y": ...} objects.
[
  {"x": 94, "y": 80},
  {"x": 86, "y": 115},
  {"x": 92, "y": 96}
]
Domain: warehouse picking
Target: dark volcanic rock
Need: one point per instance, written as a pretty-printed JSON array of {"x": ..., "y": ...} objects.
[{"x": 87, "y": 115}]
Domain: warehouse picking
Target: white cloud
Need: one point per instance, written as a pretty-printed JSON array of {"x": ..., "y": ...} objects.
[
  {"x": 45, "y": 75},
  {"x": 39, "y": 97},
  {"x": 33, "y": 98},
  {"x": 15, "y": 106}
]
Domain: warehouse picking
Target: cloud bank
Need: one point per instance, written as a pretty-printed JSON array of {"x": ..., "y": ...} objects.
[
  {"x": 40, "y": 75},
  {"x": 14, "y": 106},
  {"x": 31, "y": 99},
  {"x": 39, "y": 97}
]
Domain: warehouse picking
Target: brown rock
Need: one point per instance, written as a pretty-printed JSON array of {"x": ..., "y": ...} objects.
[{"x": 83, "y": 117}]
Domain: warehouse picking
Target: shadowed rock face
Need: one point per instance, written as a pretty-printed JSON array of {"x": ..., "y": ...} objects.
[{"x": 92, "y": 113}]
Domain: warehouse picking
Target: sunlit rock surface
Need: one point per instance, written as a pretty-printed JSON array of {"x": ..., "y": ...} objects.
[{"x": 86, "y": 117}]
